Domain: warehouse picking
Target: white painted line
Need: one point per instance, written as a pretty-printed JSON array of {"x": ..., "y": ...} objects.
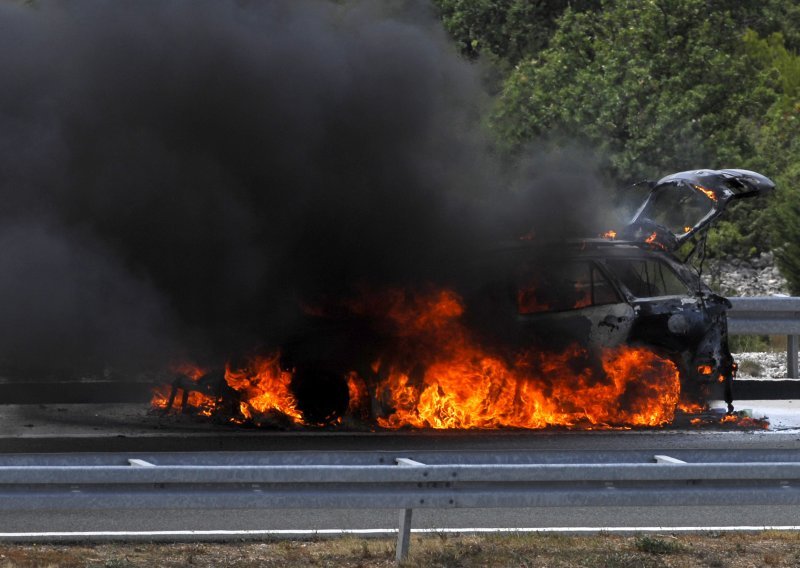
[
  {"x": 616, "y": 529},
  {"x": 265, "y": 532},
  {"x": 465, "y": 530}
]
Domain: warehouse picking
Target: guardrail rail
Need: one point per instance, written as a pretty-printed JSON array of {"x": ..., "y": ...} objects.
[
  {"x": 407, "y": 485},
  {"x": 769, "y": 315}
]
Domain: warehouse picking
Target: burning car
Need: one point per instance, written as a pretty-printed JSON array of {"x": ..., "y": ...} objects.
[{"x": 618, "y": 330}]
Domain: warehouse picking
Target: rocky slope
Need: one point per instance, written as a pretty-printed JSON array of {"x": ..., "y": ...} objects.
[
  {"x": 758, "y": 276},
  {"x": 761, "y": 365}
]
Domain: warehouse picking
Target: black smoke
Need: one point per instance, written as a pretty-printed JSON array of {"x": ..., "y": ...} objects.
[{"x": 178, "y": 177}]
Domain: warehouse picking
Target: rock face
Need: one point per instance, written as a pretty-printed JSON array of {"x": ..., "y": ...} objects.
[{"x": 757, "y": 276}]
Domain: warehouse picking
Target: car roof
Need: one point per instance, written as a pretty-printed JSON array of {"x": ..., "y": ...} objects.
[{"x": 582, "y": 248}]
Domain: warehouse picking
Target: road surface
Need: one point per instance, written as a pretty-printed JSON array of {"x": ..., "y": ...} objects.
[{"x": 70, "y": 428}]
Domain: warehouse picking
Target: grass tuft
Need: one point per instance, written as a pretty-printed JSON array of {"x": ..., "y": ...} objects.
[
  {"x": 750, "y": 368},
  {"x": 655, "y": 545},
  {"x": 770, "y": 549},
  {"x": 623, "y": 560}
]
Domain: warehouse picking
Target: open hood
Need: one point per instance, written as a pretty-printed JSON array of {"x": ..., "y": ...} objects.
[{"x": 682, "y": 204}]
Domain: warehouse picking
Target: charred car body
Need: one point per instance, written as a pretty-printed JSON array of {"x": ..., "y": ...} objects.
[
  {"x": 604, "y": 293},
  {"x": 507, "y": 317},
  {"x": 631, "y": 288},
  {"x": 677, "y": 214}
]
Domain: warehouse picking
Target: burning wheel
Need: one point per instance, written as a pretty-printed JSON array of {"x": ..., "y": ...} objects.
[{"x": 322, "y": 395}]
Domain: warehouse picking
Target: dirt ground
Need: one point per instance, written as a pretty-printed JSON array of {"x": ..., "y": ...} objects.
[{"x": 716, "y": 550}]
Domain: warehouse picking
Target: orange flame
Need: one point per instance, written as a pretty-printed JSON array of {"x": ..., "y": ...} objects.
[
  {"x": 691, "y": 406},
  {"x": 746, "y": 422},
  {"x": 160, "y": 398},
  {"x": 528, "y": 302},
  {"x": 264, "y": 387},
  {"x": 358, "y": 392},
  {"x": 465, "y": 386},
  {"x": 475, "y": 390},
  {"x": 438, "y": 376},
  {"x": 708, "y": 193},
  {"x": 610, "y": 235},
  {"x": 189, "y": 369},
  {"x": 409, "y": 314},
  {"x": 200, "y": 402}
]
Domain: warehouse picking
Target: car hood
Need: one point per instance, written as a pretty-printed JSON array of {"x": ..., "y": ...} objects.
[{"x": 680, "y": 205}]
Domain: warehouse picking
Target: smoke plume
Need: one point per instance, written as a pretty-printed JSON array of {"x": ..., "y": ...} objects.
[{"x": 178, "y": 177}]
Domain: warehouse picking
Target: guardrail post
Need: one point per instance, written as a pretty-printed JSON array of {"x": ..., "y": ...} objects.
[
  {"x": 403, "y": 535},
  {"x": 791, "y": 356},
  {"x": 404, "y": 532}
]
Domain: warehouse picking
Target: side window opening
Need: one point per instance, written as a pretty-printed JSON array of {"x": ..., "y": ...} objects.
[
  {"x": 569, "y": 287},
  {"x": 647, "y": 278},
  {"x": 602, "y": 289}
]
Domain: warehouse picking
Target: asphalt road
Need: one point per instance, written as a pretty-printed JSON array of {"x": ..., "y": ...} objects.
[
  {"x": 123, "y": 428},
  {"x": 130, "y": 427},
  {"x": 299, "y": 522}
]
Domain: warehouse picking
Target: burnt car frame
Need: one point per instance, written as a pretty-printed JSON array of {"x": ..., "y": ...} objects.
[
  {"x": 631, "y": 288},
  {"x": 604, "y": 293}
]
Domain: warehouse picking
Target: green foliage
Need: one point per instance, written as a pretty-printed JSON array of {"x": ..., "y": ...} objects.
[
  {"x": 770, "y": 16},
  {"x": 786, "y": 226},
  {"x": 777, "y": 146},
  {"x": 506, "y": 30},
  {"x": 780, "y": 69},
  {"x": 749, "y": 343},
  {"x": 655, "y": 545},
  {"x": 655, "y": 86},
  {"x": 740, "y": 234},
  {"x": 671, "y": 85},
  {"x": 726, "y": 239}
]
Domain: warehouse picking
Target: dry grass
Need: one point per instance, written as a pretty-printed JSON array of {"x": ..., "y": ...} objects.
[{"x": 734, "y": 550}]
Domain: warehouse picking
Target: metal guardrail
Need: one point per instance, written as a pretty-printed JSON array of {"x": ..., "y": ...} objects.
[
  {"x": 407, "y": 485},
  {"x": 769, "y": 315}
]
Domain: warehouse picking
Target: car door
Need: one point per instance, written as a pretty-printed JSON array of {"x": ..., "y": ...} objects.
[{"x": 570, "y": 301}]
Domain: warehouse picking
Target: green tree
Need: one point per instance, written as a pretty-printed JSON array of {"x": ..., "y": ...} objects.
[
  {"x": 504, "y": 30},
  {"x": 767, "y": 17},
  {"x": 654, "y": 86},
  {"x": 777, "y": 135}
]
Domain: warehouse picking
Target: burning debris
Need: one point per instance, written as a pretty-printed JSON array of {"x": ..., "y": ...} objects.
[
  {"x": 733, "y": 419},
  {"x": 257, "y": 393},
  {"x": 436, "y": 376},
  {"x": 597, "y": 334}
]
